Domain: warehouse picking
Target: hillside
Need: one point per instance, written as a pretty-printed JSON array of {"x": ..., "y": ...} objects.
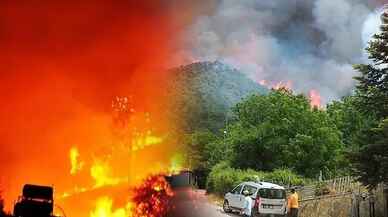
[{"x": 203, "y": 92}]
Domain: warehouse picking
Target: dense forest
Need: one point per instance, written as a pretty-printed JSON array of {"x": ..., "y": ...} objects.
[{"x": 202, "y": 94}]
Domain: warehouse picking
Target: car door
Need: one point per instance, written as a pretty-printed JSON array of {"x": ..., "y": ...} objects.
[
  {"x": 252, "y": 191},
  {"x": 235, "y": 196}
]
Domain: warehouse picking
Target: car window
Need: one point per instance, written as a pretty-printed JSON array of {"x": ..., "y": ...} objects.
[
  {"x": 272, "y": 193},
  {"x": 237, "y": 190},
  {"x": 250, "y": 189}
]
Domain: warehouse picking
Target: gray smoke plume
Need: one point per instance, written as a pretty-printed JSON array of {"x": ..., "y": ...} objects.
[{"x": 313, "y": 44}]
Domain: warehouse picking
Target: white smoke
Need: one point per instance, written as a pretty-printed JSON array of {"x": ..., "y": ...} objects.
[
  {"x": 371, "y": 25},
  {"x": 311, "y": 43}
]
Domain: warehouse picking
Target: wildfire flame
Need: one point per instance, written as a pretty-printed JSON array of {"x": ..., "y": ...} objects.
[
  {"x": 101, "y": 172},
  {"x": 153, "y": 197},
  {"x": 76, "y": 166},
  {"x": 315, "y": 98},
  {"x": 277, "y": 85},
  {"x": 104, "y": 208},
  {"x": 70, "y": 140}
]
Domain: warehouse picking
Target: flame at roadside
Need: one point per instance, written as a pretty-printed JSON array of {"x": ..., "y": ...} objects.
[
  {"x": 104, "y": 208},
  {"x": 152, "y": 198}
]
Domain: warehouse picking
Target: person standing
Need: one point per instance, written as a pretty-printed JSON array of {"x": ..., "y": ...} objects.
[
  {"x": 293, "y": 204},
  {"x": 247, "y": 210}
]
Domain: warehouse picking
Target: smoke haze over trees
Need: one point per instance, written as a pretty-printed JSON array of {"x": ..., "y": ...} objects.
[
  {"x": 204, "y": 92},
  {"x": 311, "y": 43}
]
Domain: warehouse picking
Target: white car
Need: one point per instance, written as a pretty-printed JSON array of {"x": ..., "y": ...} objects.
[{"x": 269, "y": 199}]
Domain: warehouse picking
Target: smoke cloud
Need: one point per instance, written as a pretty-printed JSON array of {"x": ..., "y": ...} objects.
[{"x": 313, "y": 44}]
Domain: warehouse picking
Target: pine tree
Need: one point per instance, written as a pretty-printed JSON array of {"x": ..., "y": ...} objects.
[
  {"x": 373, "y": 81},
  {"x": 371, "y": 162}
]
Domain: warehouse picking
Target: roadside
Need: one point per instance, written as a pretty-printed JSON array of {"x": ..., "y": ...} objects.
[{"x": 198, "y": 204}]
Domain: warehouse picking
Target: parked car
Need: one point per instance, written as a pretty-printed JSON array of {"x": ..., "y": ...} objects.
[{"x": 269, "y": 199}]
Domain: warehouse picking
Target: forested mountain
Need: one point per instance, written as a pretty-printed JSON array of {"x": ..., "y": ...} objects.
[{"x": 202, "y": 94}]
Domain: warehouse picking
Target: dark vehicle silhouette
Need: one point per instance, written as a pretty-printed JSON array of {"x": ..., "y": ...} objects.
[
  {"x": 36, "y": 201},
  {"x": 184, "y": 179}
]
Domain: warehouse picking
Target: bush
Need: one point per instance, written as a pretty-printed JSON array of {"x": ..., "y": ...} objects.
[
  {"x": 322, "y": 188},
  {"x": 284, "y": 177},
  {"x": 224, "y": 178}
]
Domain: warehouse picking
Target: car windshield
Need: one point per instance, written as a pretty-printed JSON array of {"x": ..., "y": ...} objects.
[{"x": 272, "y": 193}]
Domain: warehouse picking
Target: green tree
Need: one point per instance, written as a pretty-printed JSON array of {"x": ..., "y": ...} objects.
[
  {"x": 371, "y": 162},
  {"x": 352, "y": 123},
  {"x": 373, "y": 82},
  {"x": 197, "y": 153},
  {"x": 281, "y": 130}
]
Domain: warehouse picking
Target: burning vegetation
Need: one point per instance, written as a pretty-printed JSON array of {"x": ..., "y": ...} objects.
[
  {"x": 153, "y": 197},
  {"x": 85, "y": 96},
  {"x": 313, "y": 95}
]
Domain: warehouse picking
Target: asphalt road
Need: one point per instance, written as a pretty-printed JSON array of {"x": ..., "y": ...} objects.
[{"x": 194, "y": 203}]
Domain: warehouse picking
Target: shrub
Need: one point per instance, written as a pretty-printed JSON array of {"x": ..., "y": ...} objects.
[
  {"x": 284, "y": 177},
  {"x": 322, "y": 188},
  {"x": 224, "y": 178}
]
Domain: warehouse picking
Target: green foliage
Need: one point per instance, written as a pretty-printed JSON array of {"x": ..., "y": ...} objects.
[
  {"x": 281, "y": 130},
  {"x": 284, "y": 177},
  {"x": 373, "y": 82},
  {"x": 223, "y": 178},
  {"x": 197, "y": 148},
  {"x": 204, "y": 149},
  {"x": 352, "y": 123},
  {"x": 371, "y": 162},
  {"x": 370, "y": 159}
]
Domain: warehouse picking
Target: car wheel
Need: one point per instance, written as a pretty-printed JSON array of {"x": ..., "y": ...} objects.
[{"x": 226, "y": 207}]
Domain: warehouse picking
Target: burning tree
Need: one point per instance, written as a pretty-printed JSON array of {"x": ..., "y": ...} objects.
[{"x": 153, "y": 197}]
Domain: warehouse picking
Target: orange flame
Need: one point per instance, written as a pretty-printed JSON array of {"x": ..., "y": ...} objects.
[
  {"x": 104, "y": 208},
  {"x": 277, "y": 85},
  {"x": 315, "y": 98}
]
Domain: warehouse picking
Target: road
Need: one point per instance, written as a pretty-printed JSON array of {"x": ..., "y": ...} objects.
[{"x": 195, "y": 203}]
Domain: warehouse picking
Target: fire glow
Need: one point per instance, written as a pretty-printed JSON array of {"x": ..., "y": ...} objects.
[
  {"x": 276, "y": 85},
  {"x": 313, "y": 95},
  {"x": 59, "y": 76},
  {"x": 315, "y": 98}
]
